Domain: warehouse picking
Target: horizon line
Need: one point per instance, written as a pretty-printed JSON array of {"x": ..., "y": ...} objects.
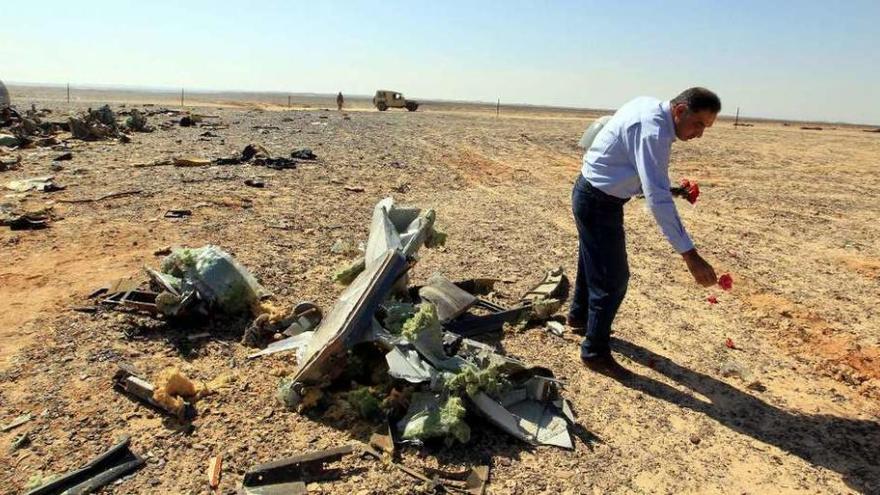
[{"x": 174, "y": 90}]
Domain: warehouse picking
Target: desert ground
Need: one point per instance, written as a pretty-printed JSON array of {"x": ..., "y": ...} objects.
[{"x": 791, "y": 214}]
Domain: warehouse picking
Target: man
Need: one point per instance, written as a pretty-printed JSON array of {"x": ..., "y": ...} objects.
[
  {"x": 339, "y": 101},
  {"x": 629, "y": 156}
]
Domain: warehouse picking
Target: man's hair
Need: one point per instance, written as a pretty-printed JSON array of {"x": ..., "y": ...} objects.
[{"x": 699, "y": 99}]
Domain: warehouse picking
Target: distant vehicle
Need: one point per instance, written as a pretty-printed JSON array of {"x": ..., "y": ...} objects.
[{"x": 385, "y": 99}]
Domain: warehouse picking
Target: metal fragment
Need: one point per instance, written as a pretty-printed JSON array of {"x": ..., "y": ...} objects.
[
  {"x": 113, "y": 464},
  {"x": 450, "y": 300},
  {"x": 348, "y": 323},
  {"x": 15, "y": 423},
  {"x": 287, "y": 474},
  {"x": 128, "y": 380}
]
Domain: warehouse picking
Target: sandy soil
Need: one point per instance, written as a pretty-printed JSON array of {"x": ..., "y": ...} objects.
[{"x": 790, "y": 213}]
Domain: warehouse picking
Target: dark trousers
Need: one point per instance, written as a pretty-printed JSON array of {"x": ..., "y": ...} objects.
[{"x": 603, "y": 272}]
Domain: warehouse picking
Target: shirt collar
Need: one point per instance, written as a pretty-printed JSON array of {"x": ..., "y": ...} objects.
[{"x": 666, "y": 107}]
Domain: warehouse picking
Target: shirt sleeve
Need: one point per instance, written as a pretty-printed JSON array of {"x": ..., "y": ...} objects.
[{"x": 652, "y": 164}]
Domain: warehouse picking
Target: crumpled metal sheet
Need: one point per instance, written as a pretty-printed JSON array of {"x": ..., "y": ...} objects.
[
  {"x": 529, "y": 414},
  {"x": 543, "y": 423},
  {"x": 298, "y": 343},
  {"x": 350, "y": 321},
  {"x": 450, "y": 300},
  {"x": 217, "y": 276},
  {"x": 392, "y": 227},
  {"x": 406, "y": 364}
]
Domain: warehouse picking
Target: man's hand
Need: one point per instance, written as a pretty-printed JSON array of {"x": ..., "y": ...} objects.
[{"x": 702, "y": 271}]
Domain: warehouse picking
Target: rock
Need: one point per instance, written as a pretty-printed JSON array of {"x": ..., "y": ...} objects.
[
  {"x": 731, "y": 368},
  {"x": 695, "y": 439}
]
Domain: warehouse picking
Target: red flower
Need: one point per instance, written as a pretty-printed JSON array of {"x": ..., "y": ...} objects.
[
  {"x": 729, "y": 343},
  {"x": 687, "y": 190},
  {"x": 712, "y": 299},
  {"x": 725, "y": 281},
  {"x": 693, "y": 193}
]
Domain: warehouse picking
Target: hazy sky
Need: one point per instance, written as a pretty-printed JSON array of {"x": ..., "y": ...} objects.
[{"x": 788, "y": 59}]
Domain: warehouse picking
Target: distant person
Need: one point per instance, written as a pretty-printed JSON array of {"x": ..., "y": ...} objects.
[
  {"x": 629, "y": 156},
  {"x": 339, "y": 101}
]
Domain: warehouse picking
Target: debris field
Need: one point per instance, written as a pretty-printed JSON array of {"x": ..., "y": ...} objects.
[{"x": 236, "y": 297}]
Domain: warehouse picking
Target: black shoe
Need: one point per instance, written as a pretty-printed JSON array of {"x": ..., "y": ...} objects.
[{"x": 605, "y": 364}]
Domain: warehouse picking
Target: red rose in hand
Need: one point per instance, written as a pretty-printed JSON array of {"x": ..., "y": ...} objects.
[
  {"x": 725, "y": 281},
  {"x": 687, "y": 190}
]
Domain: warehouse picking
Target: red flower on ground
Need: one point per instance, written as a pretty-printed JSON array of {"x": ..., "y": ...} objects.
[
  {"x": 729, "y": 343},
  {"x": 725, "y": 281},
  {"x": 693, "y": 193},
  {"x": 712, "y": 299}
]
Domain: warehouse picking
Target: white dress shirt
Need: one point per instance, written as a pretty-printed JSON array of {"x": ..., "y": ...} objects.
[{"x": 630, "y": 156}]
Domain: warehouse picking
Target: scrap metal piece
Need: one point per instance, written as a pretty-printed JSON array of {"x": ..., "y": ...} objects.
[
  {"x": 133, "y": 299},
  {"x": 543, "y": 423},
  {"x": 127, "y": 379},
  {"x": 347, "y": 323},
  {"x": 15, "y": 423},
  {"x": 167, "y": 282},
  {"x": 556, "y": 328},
  {"x": 113, "y": 464},
  {"x": 292, "y": 488},
  {"x": 307, "y": 316},
  {"x": 471, "y": 481},
  {"x": 555, "y": 285},
  {"x": 532, "y": 421},
  {"x": 393, "y": 227},
  {"x": 436, "y": 480},
  {"x": 118, "y": 285},
  {"x": 406, "y": 364},
  {"x": 299, "y": 343},
  {"x": 469, "y": 325},
  {"x": 287, "y": 474},
  {"x": 221, "y": 281},
  {"x": 478, "y": 286},
  {"x": 450, "y": 300}
]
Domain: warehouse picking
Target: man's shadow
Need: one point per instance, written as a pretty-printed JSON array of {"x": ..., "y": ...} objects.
[{"x": 850, "y": 447}]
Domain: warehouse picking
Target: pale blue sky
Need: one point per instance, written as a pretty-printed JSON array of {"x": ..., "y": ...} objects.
[{"x": 786, "y": 59}]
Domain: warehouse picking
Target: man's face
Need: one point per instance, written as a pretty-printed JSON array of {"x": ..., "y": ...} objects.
[{"x": 690, "y": 125}]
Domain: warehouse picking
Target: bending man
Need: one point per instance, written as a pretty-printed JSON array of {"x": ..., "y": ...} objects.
[{"x": 630, "y": 156}]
